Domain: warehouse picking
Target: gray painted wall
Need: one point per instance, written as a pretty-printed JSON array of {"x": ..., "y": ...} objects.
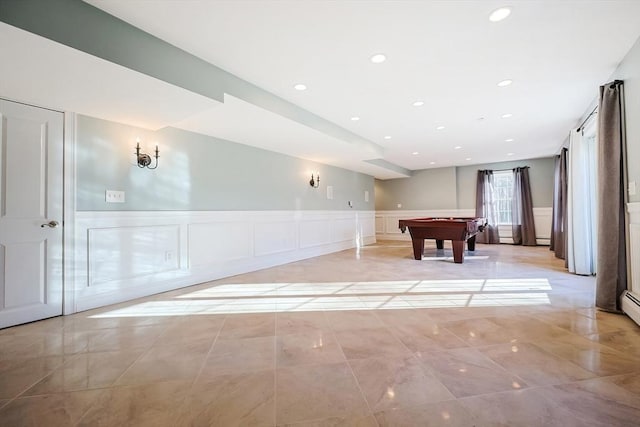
[
  {"x": 198, "y": 172},
  {"x": 629, "y": 71},
  {"x": 455, "y": 187},
  {"x": 425, "y": 189}
]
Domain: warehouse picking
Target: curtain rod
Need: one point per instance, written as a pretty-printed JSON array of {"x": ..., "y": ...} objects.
[
  {"x": 504, "y": 170},
  {"x": 594, "y": 111}
]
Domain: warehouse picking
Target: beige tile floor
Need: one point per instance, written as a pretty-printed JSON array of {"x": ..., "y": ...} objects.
[{"x": 357, "y": 338}]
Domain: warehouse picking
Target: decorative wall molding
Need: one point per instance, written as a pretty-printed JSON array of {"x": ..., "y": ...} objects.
[
  {"x": 387, "y": 223},
  {"x": 119, "y": 256},
  {"x": 634, "y": 246}
]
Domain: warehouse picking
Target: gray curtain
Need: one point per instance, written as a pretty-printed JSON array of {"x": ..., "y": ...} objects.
[
  {"x": 486, "y": 207},
  {"x": 522, "y": 225},
  {"x": 559, "y": 217},
  {"x": 611, "y": 279}
]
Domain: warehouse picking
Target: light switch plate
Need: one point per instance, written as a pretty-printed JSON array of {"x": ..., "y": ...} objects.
[
  {"x": 112, "y": 196},
  {"x": 632, "y": 188},
  {"x": 330, "y": 192},
  {"x": 366, "y": 196}
]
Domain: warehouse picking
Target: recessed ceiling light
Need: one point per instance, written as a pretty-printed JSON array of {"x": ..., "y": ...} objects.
[
  {"x": 387, "y": 137},
  {"x": 509, "y": 140},
  {"x": 500, "y": 14},
  {"x": 355, "y": 118},
  {"x": 418, "y": 103},
  {"x": 415, "y": 153},
  {"x": 468, "y": 158},
  {"x": 440, "y": 128},
  {"x": 505, "y": 83},
  {"x": 506, "y": 116},
  {"x": 300, "y": 86},
  {"x": 509, "y": 154},
  {"x": 378, "y": 58},
  {"x": 432, "y": 163},
  {"x": 457, "y": 147}
]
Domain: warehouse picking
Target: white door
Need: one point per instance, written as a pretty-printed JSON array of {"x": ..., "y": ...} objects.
[{"x": 30, "y": 213}]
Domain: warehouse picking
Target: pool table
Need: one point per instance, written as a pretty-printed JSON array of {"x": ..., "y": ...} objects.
[{"x": 458, "y": 230}]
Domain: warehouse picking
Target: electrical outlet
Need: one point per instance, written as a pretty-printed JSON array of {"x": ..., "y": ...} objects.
[
  {"x": 399, "y": 205},
  {"x": 112, "y": 196},
  {"x": 168, "y": 256}
]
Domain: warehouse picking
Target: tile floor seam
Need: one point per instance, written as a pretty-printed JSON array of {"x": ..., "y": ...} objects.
[
  {"x": 206, "y": 358},
  {"x": 39, "y": 379},
  {"x": 362, "y": 395}
]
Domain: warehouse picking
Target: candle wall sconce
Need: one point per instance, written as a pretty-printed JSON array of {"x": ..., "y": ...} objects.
[
  {"x": 144, "y": 160},
  {"x": 315, "y": 183}
]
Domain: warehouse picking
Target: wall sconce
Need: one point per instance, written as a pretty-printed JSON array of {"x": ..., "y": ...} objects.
[
  {"x": 144, "y": 160},
  {"x": 315, "y": 183}
]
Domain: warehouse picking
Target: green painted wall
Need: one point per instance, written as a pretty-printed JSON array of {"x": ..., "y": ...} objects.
[
  {"x": 198, "y": 172},
  {"x": 425, "y": 189},
  {"x": 540, "y": 173},
  {"x": 455, "y": 187}
]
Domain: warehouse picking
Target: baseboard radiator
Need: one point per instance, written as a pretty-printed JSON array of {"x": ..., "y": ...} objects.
[{"x": 631, "y": 305}]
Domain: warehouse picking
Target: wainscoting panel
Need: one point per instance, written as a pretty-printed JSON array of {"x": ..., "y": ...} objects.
[
  {"x": 220, "y": 242},
  {"x": 342, "y": 230},
  {"x": 314, "y": 233},
  {"x": 368, "y": 226},
  {"x": 634, "y": 246},
  {"x": 119, "y": 256},
  {"x": 379, "y": 224},
  {"x": 274, "y": 237}
]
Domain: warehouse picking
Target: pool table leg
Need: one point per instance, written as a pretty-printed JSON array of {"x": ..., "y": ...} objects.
[
  {"x": 418, "y": 248},
  {"x": 471, "y": 243},
  {"x": 458, "y": 251},
  {"x": 439, "y": 244}
]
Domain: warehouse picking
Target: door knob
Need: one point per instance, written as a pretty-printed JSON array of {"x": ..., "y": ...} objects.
[{"x": 50, "y": 224}]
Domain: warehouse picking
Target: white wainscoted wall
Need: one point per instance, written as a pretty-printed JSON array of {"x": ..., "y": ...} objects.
[
  {"x": 387, "y": 223},
  {"x": 630, "y": 299},
  {"x": 124, "y": 255},
  {"x": 634, "y": 247}
]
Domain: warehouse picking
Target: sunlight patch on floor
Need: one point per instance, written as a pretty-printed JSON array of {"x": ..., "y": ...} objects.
[{"x": 332, "y": 296}]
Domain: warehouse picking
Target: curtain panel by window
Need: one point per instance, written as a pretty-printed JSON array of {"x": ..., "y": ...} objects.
[
  {"x": 559, "y": 216},
  {"x": 486, "y": 207},
  {"x": 522, "y": 225},
  {"x": 611, "y": 279},
  {"x": 581, "y": 203}
]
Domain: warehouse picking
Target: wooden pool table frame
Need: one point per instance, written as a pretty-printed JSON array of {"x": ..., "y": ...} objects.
[{"x": 458, "y": 230}]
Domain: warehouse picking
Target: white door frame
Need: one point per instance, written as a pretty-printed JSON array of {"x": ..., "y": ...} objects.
[
  {"x": 69, "y": 214},
  {"x": 68, "y": 207}
]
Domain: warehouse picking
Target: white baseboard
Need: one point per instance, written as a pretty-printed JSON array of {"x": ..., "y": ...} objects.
[
  {"x": 125, "y": 255},
  {"x": 630, "y": 303}
]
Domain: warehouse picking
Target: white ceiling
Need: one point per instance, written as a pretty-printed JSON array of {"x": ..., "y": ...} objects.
[
  {"x": 445, "y": 53},
  {"x": 55, "y": 76}
]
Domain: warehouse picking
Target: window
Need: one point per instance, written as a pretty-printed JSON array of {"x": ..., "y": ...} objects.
[{"x": 503, "y": 193}]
